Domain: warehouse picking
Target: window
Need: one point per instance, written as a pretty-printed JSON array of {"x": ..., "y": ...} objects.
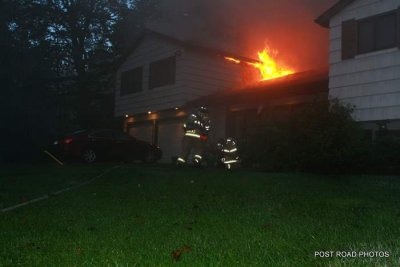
[
  {"x": 365, "y": 36},
  {"x": 370, "y": 34},
  {"x": 377, "y": 33},
  {"x": 131, "y": 81},
  {"x": 162, "y": 72}
]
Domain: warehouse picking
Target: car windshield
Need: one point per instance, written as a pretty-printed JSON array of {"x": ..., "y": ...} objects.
[
  {"x": 122, "y": 136},
  {"x": 78, "y": 132},
  {"x": 106, "y": 134}
]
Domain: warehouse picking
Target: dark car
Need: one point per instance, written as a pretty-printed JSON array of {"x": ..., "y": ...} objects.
[{"x": 105, "y": 144}]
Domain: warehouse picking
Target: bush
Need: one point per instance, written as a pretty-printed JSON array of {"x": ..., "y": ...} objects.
[
  {"x": 384, "y": 152},
  {"x": 318, "y": 136}
]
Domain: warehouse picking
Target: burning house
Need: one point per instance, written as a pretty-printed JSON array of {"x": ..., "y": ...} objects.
[
  {"x": 164, "y": 78},
  {"x": 159, "y": 77}
]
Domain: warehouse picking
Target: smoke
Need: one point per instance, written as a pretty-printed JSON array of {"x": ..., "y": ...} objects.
[{"x": 246, "y": 26}]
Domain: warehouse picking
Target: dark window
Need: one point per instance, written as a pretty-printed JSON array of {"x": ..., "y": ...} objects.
[
  {"x": 377, "y": 33},
  {"x": 386, "y": 31},
  {"x": 162, "y": 72},
  {"x": 131, "y": 81},
  {"x": 349, "y": 39},
  {"x": 365, "y": 36},
  {"x": 370, "y": 34}
]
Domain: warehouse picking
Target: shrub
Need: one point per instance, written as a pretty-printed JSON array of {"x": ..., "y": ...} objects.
[
  {"x": 384, "y": 152},
  {"x": 317, "y": 136}
]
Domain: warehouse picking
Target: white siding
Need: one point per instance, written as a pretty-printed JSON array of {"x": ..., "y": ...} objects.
[
  {"x": 197, "y": 74},
  {"x": 370, "y": 81},
  {"x": 206, "y": 73},
  {"x": 149, "y": 50}
]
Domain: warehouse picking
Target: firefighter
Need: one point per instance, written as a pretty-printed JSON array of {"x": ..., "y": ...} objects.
[
  {"x": 229, "y": 152},
  {"x": 197, "y": 128}
]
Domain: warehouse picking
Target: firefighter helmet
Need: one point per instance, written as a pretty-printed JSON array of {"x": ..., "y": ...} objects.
[{"x": 203, "y": 110}]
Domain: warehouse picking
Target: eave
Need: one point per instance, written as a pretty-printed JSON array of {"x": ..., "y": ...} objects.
[{"x": 325, "y": 17}]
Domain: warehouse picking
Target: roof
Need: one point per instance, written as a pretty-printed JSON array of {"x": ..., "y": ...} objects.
[
  {"x": 196, "y": 46},
  {"x": 187, "y": 44},
  {"x": 325, "y": 17},
  {"x": 301, "y": 83}
]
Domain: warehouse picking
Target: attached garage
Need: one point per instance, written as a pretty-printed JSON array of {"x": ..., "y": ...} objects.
[
  {"x": 142, "y": 131},
  {"x": 166, "y": 133},
  {"x": 170, "y": 134}
]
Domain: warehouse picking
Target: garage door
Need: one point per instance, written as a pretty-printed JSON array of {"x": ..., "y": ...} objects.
[
  {"x": 170, "y": 135},
  {"x": 142, "y": 131}
]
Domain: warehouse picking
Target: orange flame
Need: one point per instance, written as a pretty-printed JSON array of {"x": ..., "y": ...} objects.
[{"x": 268, "y": 65}]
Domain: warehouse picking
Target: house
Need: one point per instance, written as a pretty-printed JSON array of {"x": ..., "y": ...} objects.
[
  {"x": 364, "y": 60},
  {"x": 159, "y": 77},
  {"x": 164, "y": 78}
]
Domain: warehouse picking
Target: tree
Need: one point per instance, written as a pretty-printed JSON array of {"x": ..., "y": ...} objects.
[
  {"x": 83, "y": 37},
  {"x": 58, "y": 57},
  {"x": 25, "y": 65}
]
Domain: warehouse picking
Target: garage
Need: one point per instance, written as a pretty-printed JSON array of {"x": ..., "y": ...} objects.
[
  {"x": 142, "y": 131},
  {"x": 170, "y": 134}
]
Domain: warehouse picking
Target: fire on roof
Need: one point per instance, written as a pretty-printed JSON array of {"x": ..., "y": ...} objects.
[{"x": 268, "y": 65}]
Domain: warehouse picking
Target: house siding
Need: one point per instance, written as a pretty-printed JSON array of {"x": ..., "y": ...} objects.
[
  {"x": 151, "y": 49},
  {"x": 197, "y": 74},
  {"x": 206, "y": 74},
  {"x": 370, "y": 81}
]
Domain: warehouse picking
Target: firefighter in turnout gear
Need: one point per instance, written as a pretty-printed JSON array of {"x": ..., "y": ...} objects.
[
  {"x": 229, "y": 153},
  {"x": 197, "y": 128}
]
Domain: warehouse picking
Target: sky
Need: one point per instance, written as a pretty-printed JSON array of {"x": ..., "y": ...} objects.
[{"x": 245, "y": 26}]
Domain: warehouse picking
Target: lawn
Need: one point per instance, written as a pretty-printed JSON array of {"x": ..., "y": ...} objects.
[
  {"x": 20, "y": 183},
  {"x": 139, "y": 215}
]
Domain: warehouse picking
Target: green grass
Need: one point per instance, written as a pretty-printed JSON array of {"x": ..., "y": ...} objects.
[
  {"x": 138, "y": 215},
  {"x": 19, "y": 183}
]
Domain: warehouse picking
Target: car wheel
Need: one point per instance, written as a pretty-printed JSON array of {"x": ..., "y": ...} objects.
[
  {"x": 89, "y": 155},
  {"x": 149, "y": 156}
]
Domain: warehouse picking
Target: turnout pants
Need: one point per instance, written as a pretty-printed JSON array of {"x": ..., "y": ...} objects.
[{"x": 191, "y": 144}]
